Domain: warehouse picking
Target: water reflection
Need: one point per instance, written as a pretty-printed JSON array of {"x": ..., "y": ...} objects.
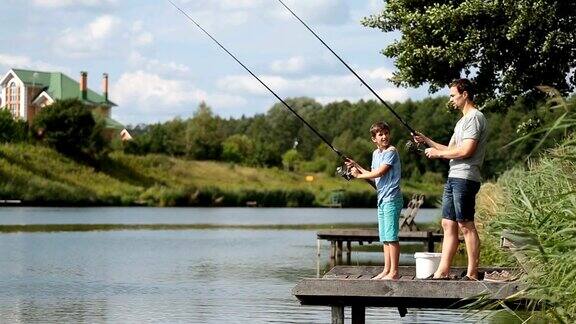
[{"x": 194, "y": 276}]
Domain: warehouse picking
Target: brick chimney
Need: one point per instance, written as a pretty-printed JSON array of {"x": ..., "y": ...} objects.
[
  {"x": 84, "y": 84},
  {"x": 105, "y": 86}
]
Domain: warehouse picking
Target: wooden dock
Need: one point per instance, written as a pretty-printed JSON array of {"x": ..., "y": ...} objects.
[
  {"x": 351, "y": 286},
  {"x": 337, "y": 238}
]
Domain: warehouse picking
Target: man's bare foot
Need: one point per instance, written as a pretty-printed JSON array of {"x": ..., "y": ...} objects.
[
  {"x": 474, "y": 277},
  {"x": 440, "y": 275},
  {"x": 380, "y": 275}
]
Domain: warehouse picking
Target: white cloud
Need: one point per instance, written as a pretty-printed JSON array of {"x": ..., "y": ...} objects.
[
  {"x": 329, "y": 12},
  {"x": 378, "y": 73},
  {"x": 139, "y": 36},
  {"x": 144, "y": 38},
  {"x": 239, "y": 4},
  {"x": 247, "y": 84},
  {"x": 344, "y": 86},
  {"x": 71, "y": 3},
  {"x": 89, "y": 40},
  {"x": 220, "y": 14},
  {"x": 102, "y": 27},
  {"x": 151, "y": 90},
  {"x": 294, "y": 64},
  {"x": 324, "y": 63},
  {"x": 156, "y": 66},
  {"x": 148, "y": 97},
  {"x": 24, "y": 62}
]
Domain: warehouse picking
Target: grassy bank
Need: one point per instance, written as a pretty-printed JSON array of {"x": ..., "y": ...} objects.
[
  {"x": 40, "y": 176},
  {"x": 535, "y": 207}
]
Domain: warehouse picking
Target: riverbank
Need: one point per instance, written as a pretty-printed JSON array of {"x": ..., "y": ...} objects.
[
  {"x": 533, "y": 207},
  {"x": 39, "y": 176}
]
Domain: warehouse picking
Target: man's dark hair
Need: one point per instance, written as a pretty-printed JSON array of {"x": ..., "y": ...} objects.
[
  {"x": 464, "y": 85},
  {"x": 378, "y": 127}
]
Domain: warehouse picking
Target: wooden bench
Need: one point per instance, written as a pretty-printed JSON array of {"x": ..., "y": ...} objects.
[{"x": 351, "y": 286}]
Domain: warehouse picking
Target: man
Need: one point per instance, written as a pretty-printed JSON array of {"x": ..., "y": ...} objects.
[{"x": 466, "y": 153}]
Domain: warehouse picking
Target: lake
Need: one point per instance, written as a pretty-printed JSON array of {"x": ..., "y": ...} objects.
[{"x": 181, "y": 276}]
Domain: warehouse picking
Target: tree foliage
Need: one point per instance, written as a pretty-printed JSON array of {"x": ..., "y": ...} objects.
[
  {"x": 238, "y": 148},
  {"x": 12, "y": 130},
  {"x": 69, "y": 127},
  {"x": 507, "y": 46},
  {"x": 263, "y": 140}
]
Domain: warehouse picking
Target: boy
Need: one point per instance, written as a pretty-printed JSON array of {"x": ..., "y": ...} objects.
[{"x": 386, "y": 173}]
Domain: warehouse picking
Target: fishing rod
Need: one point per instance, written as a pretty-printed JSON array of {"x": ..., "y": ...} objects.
[
  {"x": 412, "y": 131},
  {"x": 343, "y": 170}
]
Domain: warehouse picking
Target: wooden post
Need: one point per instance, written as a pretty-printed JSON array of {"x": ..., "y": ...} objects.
[
  {"x": 348, "y": 252},
  {"x": 339, "y": 250},
  {"x": 332, "y": 250},
  {"x": 332, "y": 253},
  {"x": 358, "y": 314},
  {"x": 337, "y": 314}
]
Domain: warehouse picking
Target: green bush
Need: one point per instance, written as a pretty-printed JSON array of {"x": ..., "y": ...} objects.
[
  {"x": 12, "y": 130},
  {"x": 69, "y": 127}
]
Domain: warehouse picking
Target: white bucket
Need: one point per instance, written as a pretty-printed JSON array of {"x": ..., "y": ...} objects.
[{"x": 426, "y": 263}]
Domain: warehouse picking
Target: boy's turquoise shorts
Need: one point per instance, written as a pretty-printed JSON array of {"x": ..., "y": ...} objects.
[{"x": 389, "y": 219}]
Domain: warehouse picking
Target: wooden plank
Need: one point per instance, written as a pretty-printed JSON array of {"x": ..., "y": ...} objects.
[
  {"x": 371, "y": 271},
  {"x": 365, "y": 271},
  {"x": 441, "y": 289}
]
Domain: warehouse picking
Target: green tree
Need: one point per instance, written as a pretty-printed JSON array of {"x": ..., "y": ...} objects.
[
  {"x": 69, "y": 127},
  {"x": 11, "y": 130},
  {"x": 291, "y": 159},
  {"x": 203, "y": 135},
  {"x": 507, "y": 46},
  {"x": 237, "y": 148}
]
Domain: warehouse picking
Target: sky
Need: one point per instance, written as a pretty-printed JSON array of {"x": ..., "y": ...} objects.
[{"x": 161, "y": 66}]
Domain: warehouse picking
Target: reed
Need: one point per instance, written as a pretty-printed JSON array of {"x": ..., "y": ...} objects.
[{"x": 534, "y": 206}]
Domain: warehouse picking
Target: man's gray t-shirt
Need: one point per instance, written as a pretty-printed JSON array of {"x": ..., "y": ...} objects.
[{"x": 473, "y": 125}]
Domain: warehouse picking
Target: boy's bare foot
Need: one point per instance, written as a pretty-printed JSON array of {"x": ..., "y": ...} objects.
[
  {"x": 391, "y": 276},
  {"x": 380, "y": 275}
]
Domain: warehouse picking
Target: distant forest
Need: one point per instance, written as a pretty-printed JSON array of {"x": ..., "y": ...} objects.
[{"x": 279, "y": 139}]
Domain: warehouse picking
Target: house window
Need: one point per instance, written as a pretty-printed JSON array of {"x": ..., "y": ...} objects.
[{"x": 13, "y": 97}]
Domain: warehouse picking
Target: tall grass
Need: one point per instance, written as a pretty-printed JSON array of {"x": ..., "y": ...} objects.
[{"x": 534, "y": 206}]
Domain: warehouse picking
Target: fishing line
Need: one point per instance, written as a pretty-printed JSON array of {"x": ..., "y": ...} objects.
[
  {"x": 351, "y": 70},
  {"x": 343, "y": 171},
  {"x": 261, "y": 82}
]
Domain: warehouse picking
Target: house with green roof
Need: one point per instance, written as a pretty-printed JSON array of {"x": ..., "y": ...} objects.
[{"x": 26, "y": 92}]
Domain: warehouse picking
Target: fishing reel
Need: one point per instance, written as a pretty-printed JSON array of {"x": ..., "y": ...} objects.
[
  {"x": 413, "y": 147},
  {"x": 345, "y": 172}
]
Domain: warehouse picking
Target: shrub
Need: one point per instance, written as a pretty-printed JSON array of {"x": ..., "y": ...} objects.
[
  {"x": 12, "y": 130},
  {"x": 69, "y": 127}
]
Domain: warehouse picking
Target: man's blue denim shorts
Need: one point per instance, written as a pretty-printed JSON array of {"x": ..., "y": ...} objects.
[{"x": 459, "y": 199}]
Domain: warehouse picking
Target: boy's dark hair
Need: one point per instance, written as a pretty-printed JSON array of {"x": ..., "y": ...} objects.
[
  {"x": 464, "y": 85},
  {"x": 379, "y": 126}
]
